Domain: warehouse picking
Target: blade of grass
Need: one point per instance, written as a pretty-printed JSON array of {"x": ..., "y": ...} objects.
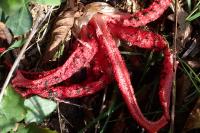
[
  {"x": 152, "y": 95},
  {"x": 196, "y": 8},
  {"x": 110, "y": 110},
  {"x": 191, "y": 77},
  {"x": 193, "y": 17},
  {"x": 131, "y": 53},
  {"x": 100, "y": 117},
  {"x": 108, "y": 113},
  {"x": 192, "y": 71},
  {"x": 146, "y": 114},
  {"x": 173, "y": 93},
  {"x": 146, "y": 68}
]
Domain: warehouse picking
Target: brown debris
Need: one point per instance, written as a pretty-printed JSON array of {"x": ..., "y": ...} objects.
[
  {"x": 194, "y": 63},
  {"x": 193, "y": 120},
  {"x": 182, "y": 88},
  {"x": 61, "y": 31},
  {"x": 184, "y": 27},
  {"x": 5, "y": 34}
]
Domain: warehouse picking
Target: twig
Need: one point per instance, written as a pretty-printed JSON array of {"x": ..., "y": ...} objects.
[
  {"x": 40, "y": 19},
  {"x": 62, "y": 119},
  {"x": 59, "y": 117},
  {"x": 69, "y": 103},
  {"x": 174, "y": 70}
]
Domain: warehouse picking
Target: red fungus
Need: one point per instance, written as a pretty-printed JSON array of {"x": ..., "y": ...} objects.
[
  {"x": 96, "y": 50},
  {"x": 2, "y": 50}
]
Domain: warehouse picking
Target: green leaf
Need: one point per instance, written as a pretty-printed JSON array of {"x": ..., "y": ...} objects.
[
  {"x": 12, "y": 110},
  {"x": 48, "y": 2},
  {"x": 33, "y": 129},
  {"x": 15, "y": 45},
  {"x": 38, "y": 109},
  {"x": 20, "y": 22},
  {"x": 11, "y": 6}
]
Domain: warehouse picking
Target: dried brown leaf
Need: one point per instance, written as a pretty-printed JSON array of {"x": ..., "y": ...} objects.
[
  {"x": 194, "y": 63},
  {"x": 183, "y": 85},
  {"x": 5, "y": 34},
  {"x": 61, "y": 29},
  {"x": 120, "y": 125},
  {"x": 193, "y": 120},
  {"x": 184, "y": 27}
]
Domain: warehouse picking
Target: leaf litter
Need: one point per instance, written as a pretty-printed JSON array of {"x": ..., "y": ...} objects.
[{"x": 186, "y": 34}]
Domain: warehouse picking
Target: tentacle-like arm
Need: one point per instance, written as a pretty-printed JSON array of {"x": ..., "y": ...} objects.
[
  {"x": 99, "y": 75},
  {"x": 2, "y": 50},
  {"x": 88, "y": 87},
  {"x": 152, "y": 41},
  {"x": 96, "y": 45},
  {"x": 80, "y": 90},
  {"x": 122, "y": 76},
  {"x": 79, "y": 58},
  {"x": 142, "y": 17}
]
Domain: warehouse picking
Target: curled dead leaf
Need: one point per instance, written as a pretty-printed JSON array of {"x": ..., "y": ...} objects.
[
  {"x": 194, "y": 63},
  {"x": 5, "y": 34},
  {"x": 61, "y": 30},
  {"x": 182, "y": 88},
  {"x": 193, "y": 121},
  {"x": 184, "y": 27}
]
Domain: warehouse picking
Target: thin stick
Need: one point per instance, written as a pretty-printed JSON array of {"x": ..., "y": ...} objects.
[
  {"x": 174, "y": 70},
  {"x": 59, "y": 117},
  {"x": 69, "y": 103},
  {"x": 40, "y": 19}
]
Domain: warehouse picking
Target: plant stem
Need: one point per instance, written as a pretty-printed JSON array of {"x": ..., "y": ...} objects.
[
  {"x": 40, "y": 19},
  {"x": 174, "y": 70}
]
